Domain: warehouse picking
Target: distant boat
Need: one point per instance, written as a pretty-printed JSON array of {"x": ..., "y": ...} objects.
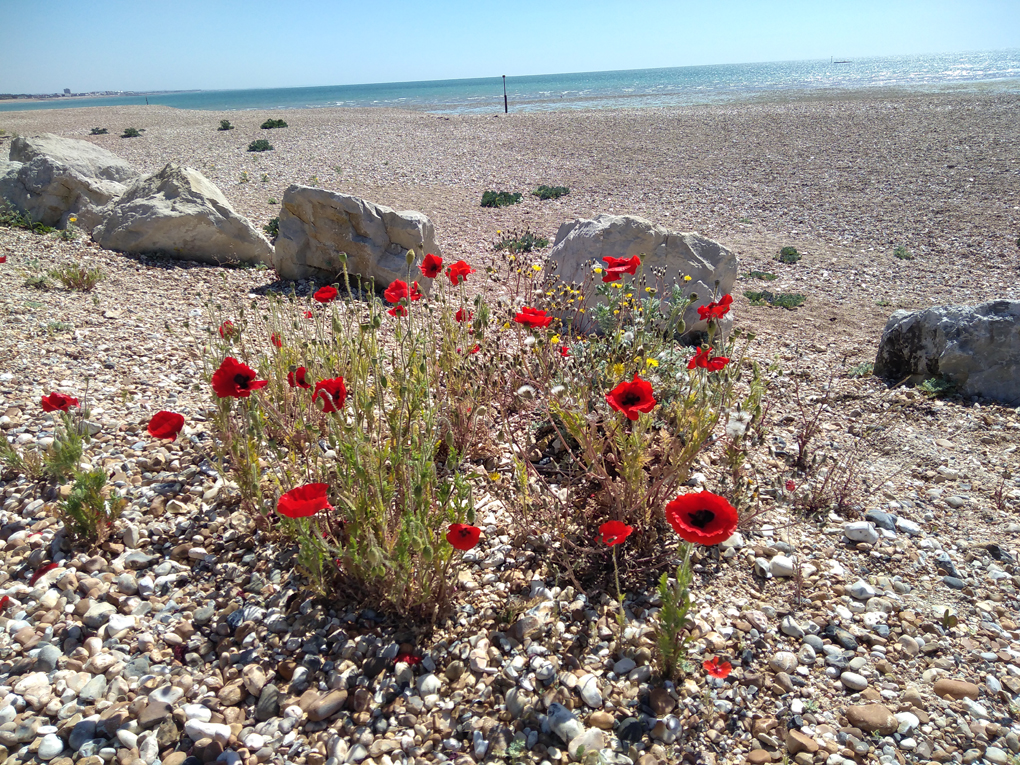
[{"x": 837, "y": 62}]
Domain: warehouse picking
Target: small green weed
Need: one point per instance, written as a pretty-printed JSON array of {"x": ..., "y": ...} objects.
[
  {"x": 132, "y": 132},
  {"x": 676, "y": 602},
  {"x": 265, "y": 177},
  {"x": 551, "y": 192},
  {"x": 56, "y": 327},
  {"x": 937, "y": 387},
  {"x": 77, "y": 277},
  {"x": 88, "y": 516},
  {"x": 38, "y": 282},
  {"x": 272, "y": 228},
  {"x": 789, "y": 255},
  {"x": 225, "y": 125},
  {"x": 314, "y": 181},
  {"x": 260, "y": 145},
  {"x": 270, "y": 124},
  {"x": 788, "y": 300},
  {"x": 64, "y": 454},
  {"x": 500, "y": 198},
  {"x": 744, "y": 220},
  {"x": 11, "y": 218},
  {"x": 244, "y": 177},
  {"x": 28, "y": 464},
  {"x": 763, "y": 275},
  {"x": 864, "y": 369},
  {"x": 517, "y": 242},
  {"x": 902, "y": 253},
  {"x": 272, "y": 201},
  {"x": 99, "y": 131}
]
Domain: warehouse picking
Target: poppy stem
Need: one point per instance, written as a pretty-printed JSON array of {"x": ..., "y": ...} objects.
[{"x": 622, "y": 616}]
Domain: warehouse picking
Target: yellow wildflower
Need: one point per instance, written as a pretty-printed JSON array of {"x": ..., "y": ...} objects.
[
  {"x": 687, "y": 278},
  {"x": 554, "y": 339},
  {"x": 536, "y": 266},
  {"x": 618, "y": 369},
  {"x": 652, "y": 362},
  {"x": 598, "y": 270}
]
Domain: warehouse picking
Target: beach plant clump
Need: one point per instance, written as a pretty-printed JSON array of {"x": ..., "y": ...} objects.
[
  {"x": 90, "y": 509},
  {"x": 902, "y": 253},
  {"x": 272, "y": 228},
  {"x": 225, "y": 125},
  {"x": 357, "y": 424},
  {"x": 519, "y": 241},
  {"x": 270, "y": 124},
  {"x": 99, "y": 131},
  {"x": 551, "y": 192},
  {"x": 12, "y": 218},
  {"x": 77, "y": 277},
  {"x": 132, "y": 132},
  {"x": 763, "y": 275},
  {"x": 260, "y": 145},
  {"x": 789, "y": 255},
  {"x": 789, "y": 300},
  {"x": 500, "y": 198}
]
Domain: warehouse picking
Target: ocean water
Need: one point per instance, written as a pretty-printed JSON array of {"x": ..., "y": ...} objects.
[{"x": 636, "y": 88}]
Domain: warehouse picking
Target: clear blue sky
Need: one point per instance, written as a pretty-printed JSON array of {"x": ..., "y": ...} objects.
[{"x": 224, "y": 44}]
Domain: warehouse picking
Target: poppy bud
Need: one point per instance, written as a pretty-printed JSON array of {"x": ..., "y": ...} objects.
[{"x": 410, "y": 257}]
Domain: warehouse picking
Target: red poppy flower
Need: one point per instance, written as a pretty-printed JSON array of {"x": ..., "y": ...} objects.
[
  {"x": 716, "y": 668},
  {"x": 325, "y": 294},
  {"x": 166, "y": 425},
  {"x": 304, "y": 501},
  {"x": 614, "y": 532},
  {"x": 790, "y": 485},
  {"x": 41, "y": 572},
  {"x": 458, "y": 272},
  {"x": 533, "y": 317},
  {"x": 564, "y": 351},
  {"x": 3, "y": 259},
  {"x": 5, "y": 600},
  {"x": 227, "y": 330},
  {"x": 275, "y": 340},
  {"x": 296, "y": 379},
  {"x": 715, "y": 310},
  {"x": 702, "y": 360},
  {"x": 333, "y": 394},
  {"x": 431, "y": 266},
  {"x": 309, "y": 314},
  {"x": 462, "y": 315},
  {"x": 617, "y": 267},
  {"x": 703, "y": 518},
  {"x": 462, "y": 536},
  {"x": 235, "y": 379},
  {"x": 408, "y": 658},
  {"x": 632, "y": 397},
  {"x": 58, "y": 402}
]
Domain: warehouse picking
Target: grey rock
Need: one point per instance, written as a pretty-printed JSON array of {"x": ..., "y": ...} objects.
[
  {"x": 563, "y": 723},
  {"x": 861, "y": 590},
  {"x": 268, "y": 705},
  {"x": 908, "y": 527},
  {"x": 47, "y": 658},
  {"x": 139, "y": 560},
  {"x": 83, "y": 157},
  {"x": 50, "y": 746},
  {"x": 590, "y": 693},
  {"x": 861, "y": 531},
  {"x": 783, "y": 661},
  {"x": 881, "y": 520},
  {"x": 853, "y": 681},
  {"x": 954, "y": 582},
  {"x": 180, "y": 213},
  {"x": 51, "y": 193},
  {"x": 93, "y": 690},
  {"x": 782, "y": 565},
  {"x": 82, "y": 731},
  {"x": 98, "y": 615},
  {"x": 582, "y": 243},
  {"x": 977, "y": 348},
  {"x": 316, "y": 226},
  {"x": 790, "y": 627},
  {"x": 429, "y": 684},
  {"x": 592, "y": 740}
]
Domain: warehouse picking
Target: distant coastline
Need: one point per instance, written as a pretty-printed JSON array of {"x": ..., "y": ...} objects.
[
  {"x": 50, "y": 97},
  {"x": 629, "y": 89}
]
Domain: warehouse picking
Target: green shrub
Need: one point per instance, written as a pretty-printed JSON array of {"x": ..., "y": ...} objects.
[
  {"x": 937, "y": 387},
  {"x": 864, "y": 369},
  {"x": 12, "y": 218},
  {"x": 500, "y": 198},
  {"x": 225, "y": 125},
  {"x": 260, "y": 145},
  {"x": 99, "y": 131},
  {"x": 551, "y": 192},
  {"x": 902, "y": 253},
  {"x": 789, "y": 255},
  {"x": 77, "y": 277},
  {"x": 517, "y": 242},
  {"x": 272, "y": 201},
  {"x": 87, "y": 515},
  {"x": 763, "y": 275},
  {"x": 270, "y": 124},
  {"x": 782, "y": 300},
  {"x": 38, "y": 282},
  {"x": 132, "y": 132},
  {"x": 272, "y": 228}
]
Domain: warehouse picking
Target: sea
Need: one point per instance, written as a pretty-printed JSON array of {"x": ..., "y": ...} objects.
[{"x": 996, "y": 71}]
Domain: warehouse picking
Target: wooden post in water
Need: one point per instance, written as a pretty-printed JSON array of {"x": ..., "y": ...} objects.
[{"x": 506, "y": 109}]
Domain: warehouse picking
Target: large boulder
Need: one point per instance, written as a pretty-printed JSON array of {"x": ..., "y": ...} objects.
[
  {"x": 50, "y": 192},
  {"x": 181, "y": 213},
  {"x": 977, "y": 348},
  {"x": 316, "y": 226},
  {"x": 86, "y": 159},
  {"x": 582, "y": 244}
]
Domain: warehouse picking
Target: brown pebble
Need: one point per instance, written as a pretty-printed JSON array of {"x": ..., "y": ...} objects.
[
  {"x": 872, "y": 717},
  {"x": 661, "y": 702},
  {"x": 956, "y": 689},
  {"x": 797, "y": 742}
]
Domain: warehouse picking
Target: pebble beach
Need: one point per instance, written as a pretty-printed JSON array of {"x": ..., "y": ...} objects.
[{"x": 188, "y": 638}]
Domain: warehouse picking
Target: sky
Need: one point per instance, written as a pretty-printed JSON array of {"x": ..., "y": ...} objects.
[{"x": 145, "y": 45}]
